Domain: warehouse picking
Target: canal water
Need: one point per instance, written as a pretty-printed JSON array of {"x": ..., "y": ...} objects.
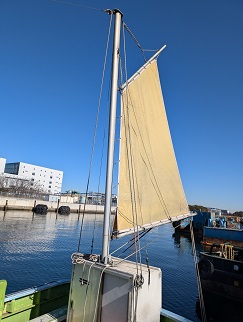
[{"x": 35, "y": 249}]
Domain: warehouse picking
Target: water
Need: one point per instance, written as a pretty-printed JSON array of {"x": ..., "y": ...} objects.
[{"x": 35, "y": 249}]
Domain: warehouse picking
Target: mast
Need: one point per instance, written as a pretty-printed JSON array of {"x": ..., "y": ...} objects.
[{"x": 111, "y": 138}]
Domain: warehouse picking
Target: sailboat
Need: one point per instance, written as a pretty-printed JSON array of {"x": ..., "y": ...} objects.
[{"x": 150, "y": 193}]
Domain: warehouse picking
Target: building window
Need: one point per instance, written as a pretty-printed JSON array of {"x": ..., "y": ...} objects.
[
  {"x": 50, "y": 182},
  {"x": 32, "y": 179},
  {"x": 49, "y": 187},
  {"x": 50, "y": 177},
  {"x": 33, "y": 173}
]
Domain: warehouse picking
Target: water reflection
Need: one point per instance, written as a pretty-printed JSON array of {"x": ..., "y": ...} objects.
[
  {"x": 35, "y": 249},
  {"x": 220, "y": 309}
]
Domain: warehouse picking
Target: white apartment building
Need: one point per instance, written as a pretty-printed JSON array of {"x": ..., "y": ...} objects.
[
  {"x": 49, "y": 179},
  {"x": 2, "y": 165}
]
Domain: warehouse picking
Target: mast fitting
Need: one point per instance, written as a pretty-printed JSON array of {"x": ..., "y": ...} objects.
[{"x": 114, "y": 11}]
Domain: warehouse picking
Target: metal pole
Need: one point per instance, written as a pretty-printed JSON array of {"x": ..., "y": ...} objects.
[{"x": 111, "y": 139}]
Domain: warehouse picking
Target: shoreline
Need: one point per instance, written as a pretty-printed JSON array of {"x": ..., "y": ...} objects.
[{"x": 22, "y": 204}]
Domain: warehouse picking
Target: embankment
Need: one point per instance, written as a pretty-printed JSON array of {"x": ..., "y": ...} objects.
[{"x": 10, "y": 203}]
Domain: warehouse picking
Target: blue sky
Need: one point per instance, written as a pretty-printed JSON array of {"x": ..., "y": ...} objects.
[{"x": 51, "y": 60}]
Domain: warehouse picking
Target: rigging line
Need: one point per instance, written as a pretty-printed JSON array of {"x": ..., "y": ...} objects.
[
  {"x": 98, "y": 292},
  {"x": 86, "y": 292},
  {"x": 153, "y": 241},
  {"x": 124, "y": 217},
  {"x": 142, "y": 234},
  {"x": 133, "y": 174},
  {"x": 155, "y": 183},
  {"x": 153, "y": 50},
  {"x": 136, "y": 41},
  {"x": 129, "y": 241},
  {"x": 99, "y": 180},
  {"x": 132, "y": 163},
  {"x": 130, "y": 181},
  {"x": 140, "y": 237},
  {"x": 77, "y": 5},
  {"x": 200, "y": 293},
  {"x": 158, "y": 192},
  {"x": 95, "y": 130},
  {"x": 163, "y": 205},
  {"x": 129, "y": 155}
]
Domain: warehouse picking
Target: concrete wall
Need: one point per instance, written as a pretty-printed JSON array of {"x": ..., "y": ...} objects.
[{"x": 28, "y": 204}]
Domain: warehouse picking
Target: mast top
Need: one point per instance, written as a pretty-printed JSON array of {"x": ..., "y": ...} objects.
[{"x": 114, "y": 11}]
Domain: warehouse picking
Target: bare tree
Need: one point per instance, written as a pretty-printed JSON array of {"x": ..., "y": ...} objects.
[{"x": 21, "y": 187}]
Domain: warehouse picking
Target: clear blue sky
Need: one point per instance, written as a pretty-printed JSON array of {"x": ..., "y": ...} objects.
[{"x": 51, "y": 59}]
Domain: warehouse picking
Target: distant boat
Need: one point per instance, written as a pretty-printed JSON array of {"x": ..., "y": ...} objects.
[
  {"x": 200, "y": 219},
  {"x": 150, "y": 193}
]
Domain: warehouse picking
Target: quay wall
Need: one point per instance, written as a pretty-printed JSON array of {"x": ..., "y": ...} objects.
[{"x": 10, "y": 203}]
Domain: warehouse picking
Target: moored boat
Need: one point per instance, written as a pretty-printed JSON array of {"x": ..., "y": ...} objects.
[
  {"x": 221, "y": 271},
  {"x": 221, "y": 235}
]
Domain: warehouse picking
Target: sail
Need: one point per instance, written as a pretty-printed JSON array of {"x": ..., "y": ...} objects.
[{"x": 150, "y": 191}]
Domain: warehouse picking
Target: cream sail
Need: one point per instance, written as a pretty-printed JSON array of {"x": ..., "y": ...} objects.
[{"x": 150, "y": 190}]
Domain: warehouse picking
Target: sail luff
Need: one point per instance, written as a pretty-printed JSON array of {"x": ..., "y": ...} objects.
[{"x": 154, "y": 183}]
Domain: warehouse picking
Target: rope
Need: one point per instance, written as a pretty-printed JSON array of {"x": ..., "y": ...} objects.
[
  {"x": 103, "y": 144},
  {"x": 86, "y": 293},
  {"x": 78, "y": 5},
  {"x": 95, "y": 132},
  {"x": 135, "y": 40},
  {"x": 77, "y": 258},
  {"x": 130, "y": 164},
  {"x": 98, "y": 292},
  {"x": 148, "y": 166},
  {"x": 95, "y": 220},
  {"x": 151, "y": 172},
  {"x": 155, "y": 240},
  {"x": 200, "y": 293}
]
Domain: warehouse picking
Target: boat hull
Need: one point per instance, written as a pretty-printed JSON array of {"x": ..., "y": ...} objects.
[{"x": 221, "y": 276}]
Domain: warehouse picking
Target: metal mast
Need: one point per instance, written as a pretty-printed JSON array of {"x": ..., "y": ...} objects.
[{"x": 111, "y": 139}]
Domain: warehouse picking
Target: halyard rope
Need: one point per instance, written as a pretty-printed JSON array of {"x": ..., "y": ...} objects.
[{"x": 95, "y": 132}]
